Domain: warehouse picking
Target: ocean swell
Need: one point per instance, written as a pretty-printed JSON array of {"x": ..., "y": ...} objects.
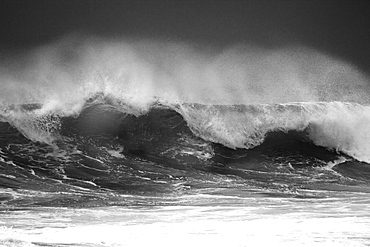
[
  {"x": 338, "y": 126},
  {"x": 233, "y": 96}
]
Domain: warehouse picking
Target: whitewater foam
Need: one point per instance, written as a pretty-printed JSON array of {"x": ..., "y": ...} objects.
[
  {"x": 344, "y": 128},
  {"x": 65, "y": 77},
  {"x": 339, "y": 126}
]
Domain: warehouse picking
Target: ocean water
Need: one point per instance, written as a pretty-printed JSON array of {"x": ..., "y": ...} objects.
[{"x": 149, "y": 143}]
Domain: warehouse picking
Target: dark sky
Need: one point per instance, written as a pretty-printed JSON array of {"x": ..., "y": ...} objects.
[{"x": 341, "y": 28}]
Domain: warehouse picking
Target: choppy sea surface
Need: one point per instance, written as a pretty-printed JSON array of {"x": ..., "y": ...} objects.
[
  {"x": 115, "y": 179},
  {"x": 105, "y": 143}
]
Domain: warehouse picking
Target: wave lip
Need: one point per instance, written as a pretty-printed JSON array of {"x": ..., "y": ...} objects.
[
  {"x": 344, "y": 127},
  {"x": 339, "y": 126}
]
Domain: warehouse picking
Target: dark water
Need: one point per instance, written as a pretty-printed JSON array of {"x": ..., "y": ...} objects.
[{"x": 105, "y": 154}]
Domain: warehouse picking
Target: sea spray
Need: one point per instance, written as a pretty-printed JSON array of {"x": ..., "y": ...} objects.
[
  {"x": 138, "y": 72},
  {"x": 65, "y": 77}
]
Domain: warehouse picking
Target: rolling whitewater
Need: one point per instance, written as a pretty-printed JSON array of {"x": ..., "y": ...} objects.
[{"x": 110, "y": 137}]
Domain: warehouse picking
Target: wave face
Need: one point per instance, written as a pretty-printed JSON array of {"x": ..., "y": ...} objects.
[
  {"x": 107, "y": 149},
  {"x": 94, "y": 118}
]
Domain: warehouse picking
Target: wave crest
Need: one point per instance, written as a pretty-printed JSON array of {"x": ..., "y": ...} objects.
[
  {"x": 241, "y": 92},
  {"x": 339, "y": 126},
  {"x": 343, "y": 127}
]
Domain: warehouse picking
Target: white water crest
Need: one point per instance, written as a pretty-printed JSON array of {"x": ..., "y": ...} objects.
[
  {"x": 62, "y": 77},
  {"x": 339, "y": 126}
]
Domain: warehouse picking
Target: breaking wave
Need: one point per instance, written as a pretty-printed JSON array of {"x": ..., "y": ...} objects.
[
  {"x": 233, "y": 97},
  {"x": 338, "y": 126}
]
